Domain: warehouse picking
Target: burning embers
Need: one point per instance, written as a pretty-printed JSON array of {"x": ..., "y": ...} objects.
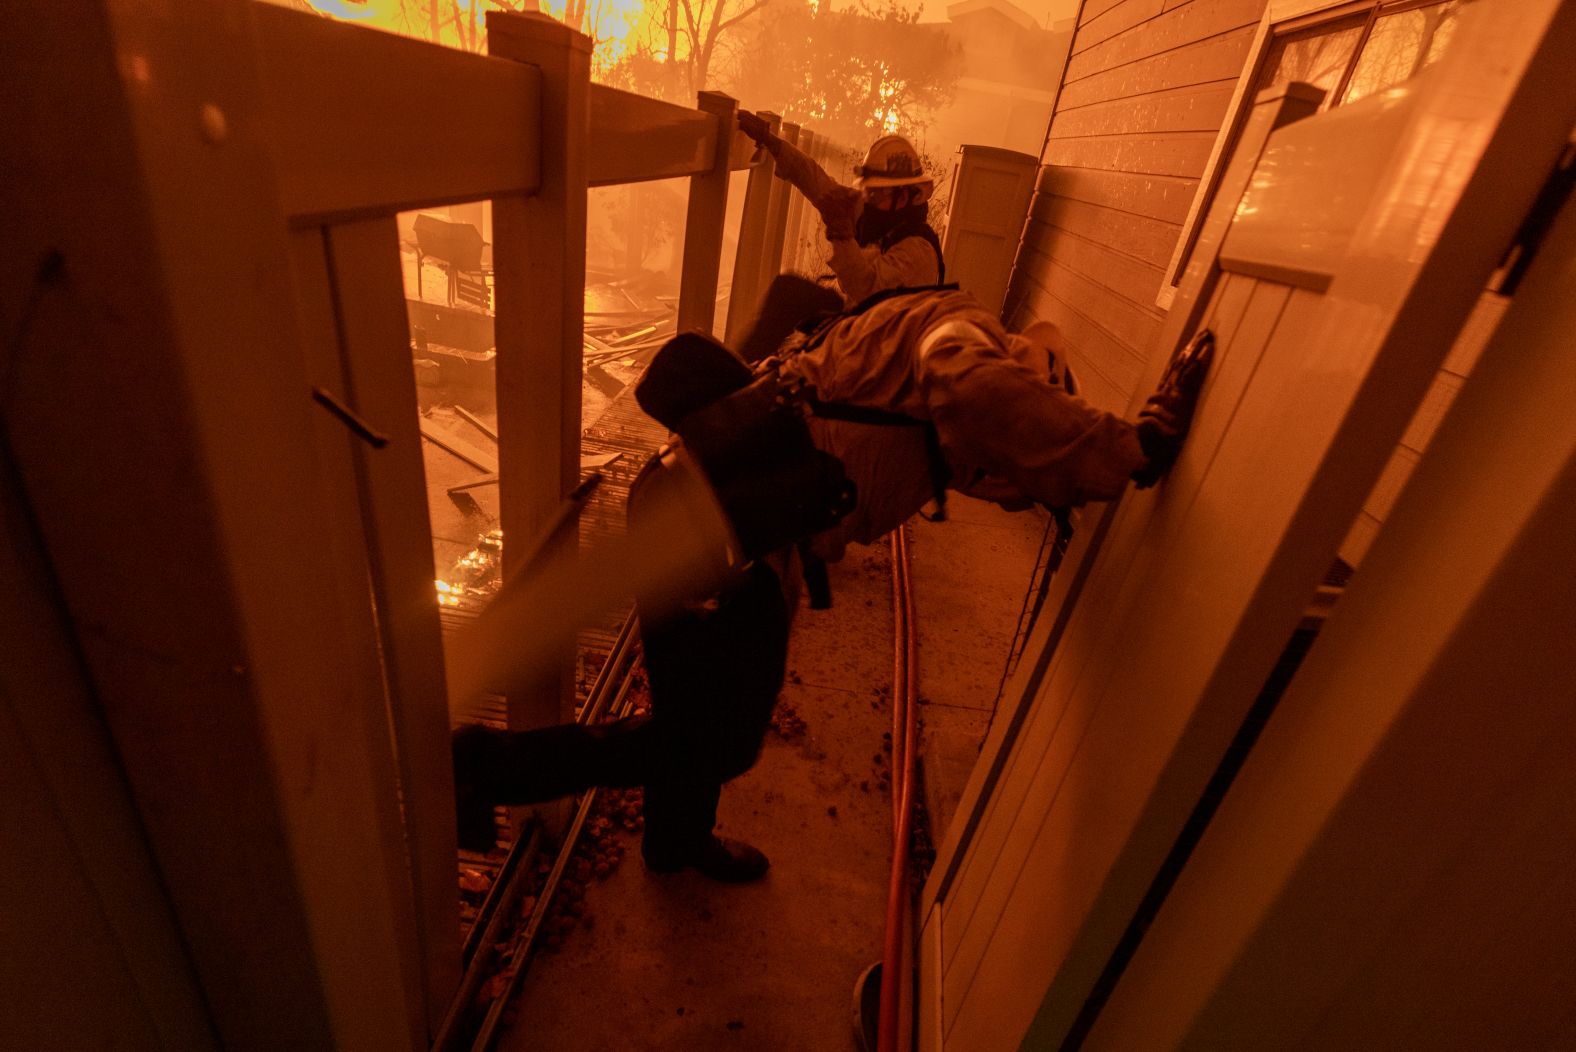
[{"x": 476, "y": 576}]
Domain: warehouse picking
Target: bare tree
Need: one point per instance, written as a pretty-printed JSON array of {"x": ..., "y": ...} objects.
[
  {"x": 677, "y": 44},
  {"x": 575, "y": 14},
  {"x": 703, "y": 24},
  {"x": 855, "y": 73},
  {"x": 460, "y": 22}
]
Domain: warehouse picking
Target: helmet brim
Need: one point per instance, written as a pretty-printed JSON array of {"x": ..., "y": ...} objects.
[{"x": 876, "y": 182}]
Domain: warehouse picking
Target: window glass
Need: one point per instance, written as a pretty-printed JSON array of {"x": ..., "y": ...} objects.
[
  {"x": 1317, "y": 56},
  {"x": 1401, "y": 45}
]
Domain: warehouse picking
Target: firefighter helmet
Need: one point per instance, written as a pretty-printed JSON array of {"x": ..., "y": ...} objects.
[{"x": 891, "y": 161}]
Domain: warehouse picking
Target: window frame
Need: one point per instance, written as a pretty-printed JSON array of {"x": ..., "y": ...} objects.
[{"x": 1280, "y": 18}]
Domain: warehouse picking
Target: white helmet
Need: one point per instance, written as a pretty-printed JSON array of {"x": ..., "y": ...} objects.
[{"x": 891, "y": 161}]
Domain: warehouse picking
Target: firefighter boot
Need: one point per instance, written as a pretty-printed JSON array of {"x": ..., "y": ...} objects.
[
  {"x": 494, "y": 767},
  {"x": 720, "y": 858}
]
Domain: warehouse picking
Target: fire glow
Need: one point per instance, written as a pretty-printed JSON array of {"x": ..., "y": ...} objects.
[{"x": 462, "y": 23}]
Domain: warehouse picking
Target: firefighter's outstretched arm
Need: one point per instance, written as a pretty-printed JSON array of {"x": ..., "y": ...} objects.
[{"x": 793, "y": 164}]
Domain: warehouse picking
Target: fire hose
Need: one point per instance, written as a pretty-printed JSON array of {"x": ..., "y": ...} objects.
[{"x": 905, "y": 690}]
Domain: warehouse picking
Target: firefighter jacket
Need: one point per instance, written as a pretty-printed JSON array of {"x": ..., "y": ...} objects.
[{"x": 937, "y": 356}]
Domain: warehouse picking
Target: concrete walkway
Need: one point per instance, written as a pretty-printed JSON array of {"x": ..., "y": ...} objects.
[
  {"x": 676, "y": 962},
  {"x": 969, "y": 577}
]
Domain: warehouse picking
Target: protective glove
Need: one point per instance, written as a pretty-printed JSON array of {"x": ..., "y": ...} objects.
[
  {"x": 1164, "y": 420},
  {"x": 755, "y": 127},
  {"x": 839, "y": 208}
]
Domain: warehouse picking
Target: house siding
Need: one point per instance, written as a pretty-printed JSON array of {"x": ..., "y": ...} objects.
[{"x": 1143, "y": 96}]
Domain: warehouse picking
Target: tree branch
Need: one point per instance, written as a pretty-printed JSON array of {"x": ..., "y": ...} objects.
[
  {"x": 690, "y": 23},
  {"x": 736, "y": 19}
]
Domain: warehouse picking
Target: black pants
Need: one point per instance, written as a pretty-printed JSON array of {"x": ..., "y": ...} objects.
[
  {"x": 715, "y": 671},
  {"x": 715, "y": 675}
]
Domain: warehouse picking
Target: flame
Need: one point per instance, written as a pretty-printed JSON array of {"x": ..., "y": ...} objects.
[
  {"x": 411, "y": 18},
  {"x": 610, "y": 23},
  {"x": 356, "y": 10}
]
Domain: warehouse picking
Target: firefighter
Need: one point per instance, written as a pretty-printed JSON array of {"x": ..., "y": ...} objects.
[
  {"x": 897, "y": 390},
  {"x": 714, "y": 660},
  {"x": 990, "y": 417},
  {"x": 879, "y": 228}
]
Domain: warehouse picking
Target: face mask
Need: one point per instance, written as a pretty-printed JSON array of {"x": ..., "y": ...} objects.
[{"x": 876, "y": 223}]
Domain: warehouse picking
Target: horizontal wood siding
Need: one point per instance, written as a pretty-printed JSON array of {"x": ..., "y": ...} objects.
[
  {"x": 1150, "y": 240},
  {"x": 1190, "y": 108},
  {"x": 1134, "y": 281},
  {"x": 1186, "y": 24},
  {"x": 1107, "y": 370},
  {"x": 1180, "y": 153},
  {"x": 1117, "y": 20},
  {"x": 1165, "y": 198},
  {"x": 1215, "y": 58},
  {"x": 1143, "y": 97}
]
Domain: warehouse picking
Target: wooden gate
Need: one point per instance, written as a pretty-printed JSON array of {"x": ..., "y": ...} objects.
[
  {"x": 239, "y": 727},
  {"x": 1336, "y": 272}
]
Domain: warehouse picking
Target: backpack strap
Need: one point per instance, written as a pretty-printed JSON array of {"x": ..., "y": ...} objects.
[
  {"x": 816, "y": 581},
  {"x": 818, "y": 326},
  {"x": 918, "y": 228},
  {"x": 940, "y": 473}
]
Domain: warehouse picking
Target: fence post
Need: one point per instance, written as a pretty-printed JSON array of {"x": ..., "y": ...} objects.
[
  {"x": 776, "y": 221},
  {"x": 539, "y": 263},
  {"x": 703, "y": 223},
  {"x": 798, "y": 208},
  {"x": 748, "y": 261}
]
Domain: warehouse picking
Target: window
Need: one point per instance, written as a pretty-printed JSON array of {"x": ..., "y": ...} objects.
[{"x": 1350, "y": 50}]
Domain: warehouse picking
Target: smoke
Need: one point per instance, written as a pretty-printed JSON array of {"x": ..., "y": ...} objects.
[{"x": 681, "y": 547}]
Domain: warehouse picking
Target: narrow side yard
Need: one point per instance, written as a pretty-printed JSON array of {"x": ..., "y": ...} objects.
[{"x": 677, "y": 962}]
